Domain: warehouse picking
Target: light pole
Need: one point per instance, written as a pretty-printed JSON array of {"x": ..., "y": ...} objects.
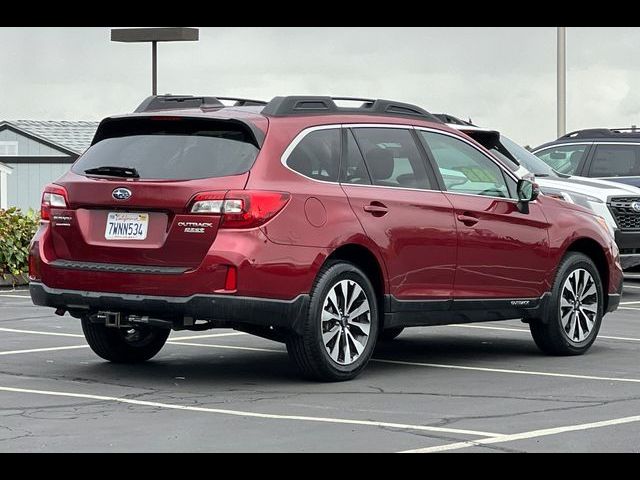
[
  {"x": 153, "y": 36},
  {"x": 562, "y": 81}
]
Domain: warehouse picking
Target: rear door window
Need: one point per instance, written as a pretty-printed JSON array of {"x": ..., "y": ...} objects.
[
  {"x": 175, "y": 149},
  {"x": 564, "y": 158},
  {"x": 615, "y": 161},
  {"x": 392, "y": 158},
  {"x": 317, "y": 156}
]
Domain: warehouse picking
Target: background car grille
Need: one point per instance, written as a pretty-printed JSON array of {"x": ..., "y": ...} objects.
[{"x": 626, "y": 217}]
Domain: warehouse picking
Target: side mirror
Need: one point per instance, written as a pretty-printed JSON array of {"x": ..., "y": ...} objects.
[{"x": 528, "y": 191}]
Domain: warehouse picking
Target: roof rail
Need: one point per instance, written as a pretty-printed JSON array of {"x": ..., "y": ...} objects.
[
  {"x": 243, "y": 102},
  {"x": 603, "y": 133},
  {"x": 312, "y": 105}
]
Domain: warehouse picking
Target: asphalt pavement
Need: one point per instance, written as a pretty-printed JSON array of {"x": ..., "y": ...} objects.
[{"x": 461, "y": 388}]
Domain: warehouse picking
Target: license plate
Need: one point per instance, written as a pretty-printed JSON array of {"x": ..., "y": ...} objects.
[{"x": 126, "y": 226}]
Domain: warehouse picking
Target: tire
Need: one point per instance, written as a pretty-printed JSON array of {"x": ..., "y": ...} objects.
[
  {"x": 337, "y": 360},
  {"x": 389, "y": 334},
  {"x": 557, "y": 337},
  {"x": 119, "y": 345}
]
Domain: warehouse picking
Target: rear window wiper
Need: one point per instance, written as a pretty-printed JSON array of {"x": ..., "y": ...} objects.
[{"x": 128, "y": 172}]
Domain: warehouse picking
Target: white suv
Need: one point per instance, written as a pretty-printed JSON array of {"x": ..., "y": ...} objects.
[{"x": 588, "y": 192}]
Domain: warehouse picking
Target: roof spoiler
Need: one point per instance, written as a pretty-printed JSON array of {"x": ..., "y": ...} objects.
[{"x": 157, "y": 103}]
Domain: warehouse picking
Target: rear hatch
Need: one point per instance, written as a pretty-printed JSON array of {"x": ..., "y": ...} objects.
[{"x": 129, "y": 195}]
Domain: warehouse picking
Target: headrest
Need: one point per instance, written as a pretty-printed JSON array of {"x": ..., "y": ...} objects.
[{"x": 380, "y": 163}]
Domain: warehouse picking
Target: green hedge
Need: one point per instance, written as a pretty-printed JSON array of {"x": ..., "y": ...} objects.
[{"x": 16, "y": 231}]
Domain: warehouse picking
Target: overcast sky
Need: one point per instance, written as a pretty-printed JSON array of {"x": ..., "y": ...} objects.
[{"x": 500, "y": 77}]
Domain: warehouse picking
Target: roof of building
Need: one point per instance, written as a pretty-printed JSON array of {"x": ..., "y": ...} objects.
[{"x": 73, "y": 136}]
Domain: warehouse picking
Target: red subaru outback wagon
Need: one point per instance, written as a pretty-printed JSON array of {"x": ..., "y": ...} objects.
[{"x": 302, "y": 220}]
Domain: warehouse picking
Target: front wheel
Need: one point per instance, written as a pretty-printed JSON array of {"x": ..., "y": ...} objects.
[
  {"x": 124, "y": 345},
  {"x": 341, "y": 327},
  {"x": 575, "y": 310}
]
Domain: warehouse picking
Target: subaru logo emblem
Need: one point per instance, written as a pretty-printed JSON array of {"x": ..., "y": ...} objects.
[
  {"x": 635, "y": 206},
  {"x": 121, "y": 193}
]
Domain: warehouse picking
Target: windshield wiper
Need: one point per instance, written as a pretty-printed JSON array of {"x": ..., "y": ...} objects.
[{"x": 128, "y": 172}]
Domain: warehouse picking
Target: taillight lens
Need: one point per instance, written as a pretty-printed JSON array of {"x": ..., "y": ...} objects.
[
  {"x": 240, "y": 208},
  {"x": 53, "y": 196},
  {"x": 34, "y": 263}
]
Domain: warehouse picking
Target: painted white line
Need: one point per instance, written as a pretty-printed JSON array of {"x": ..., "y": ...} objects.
[
  {"x": 35, "y": 332},
  {"x": 526, "y": 435},
  {"x": 214, "y": 335},
  {"x": 522, "y": 330},
  {"x": 628, "y": 308},
  {"x": 630, "y": 303},
  {"x": 76, "y": 335},
  {"x": 484, "y": 327},
  {"x": 14, "y": 296},
  {"x": 238, "y": 413},
  {"x": 631, "y": 286},
  {"x": 230, "y": 347},
  {"x": 504, "y": 370},
  {"x": 35, "y": 350}
]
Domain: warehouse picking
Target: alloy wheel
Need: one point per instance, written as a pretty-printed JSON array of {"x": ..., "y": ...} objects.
[
  {"x": 578, "y": 305},
  {"x": 346, "y": 321}
]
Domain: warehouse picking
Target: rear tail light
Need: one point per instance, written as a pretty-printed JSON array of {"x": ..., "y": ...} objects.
[
  {"x": 34, "y": 263},
  {"x": 240, "y": 208},
  {"x": 53, "y": 196}
]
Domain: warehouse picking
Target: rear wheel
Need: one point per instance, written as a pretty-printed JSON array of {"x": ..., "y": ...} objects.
[
  {"x": 341, "y": 327},
  {"x": 575, "y": 310},
  {"x": 124, "y": 345},
  {"x": 389, "y": 334}
]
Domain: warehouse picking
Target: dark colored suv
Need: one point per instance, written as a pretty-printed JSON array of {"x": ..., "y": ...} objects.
[
  {"x": 322, "y": 226},
  {"x": 611, "y": 154}
]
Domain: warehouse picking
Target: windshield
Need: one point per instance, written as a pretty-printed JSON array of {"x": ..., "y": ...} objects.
[{"x": 527, "y": 159}]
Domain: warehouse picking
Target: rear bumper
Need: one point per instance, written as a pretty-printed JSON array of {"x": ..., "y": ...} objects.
[{"x": 251, "y": 311}]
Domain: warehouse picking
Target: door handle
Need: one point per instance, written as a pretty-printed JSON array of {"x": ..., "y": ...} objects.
[
  {"x": 376, "y": 209},
  {"x": 468, "y": 219}
]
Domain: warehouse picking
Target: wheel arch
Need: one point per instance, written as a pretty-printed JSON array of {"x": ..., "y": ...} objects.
[
  {"x": 365, "y": 259},
  {"x": 593, "y": 250}
]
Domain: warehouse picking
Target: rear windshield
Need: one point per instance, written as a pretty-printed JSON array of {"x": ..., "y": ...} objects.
[{"x": 172, "y": 149}]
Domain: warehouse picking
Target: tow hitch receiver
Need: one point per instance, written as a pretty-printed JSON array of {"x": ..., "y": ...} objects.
[{"x": 111, "y": 319}]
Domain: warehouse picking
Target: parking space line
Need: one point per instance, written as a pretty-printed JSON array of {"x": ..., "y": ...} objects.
[
  {"x": 504, "y": 370},
  {"x": 628, "y": 308},
  {"x": 379, "y": 360},
  {"x": 35, "y": 332},
  {"x": 522, "y": 330},
  {"x": 213, "y": 335},
  {"x": 630, "y": 303},
  {"x": 77, "y": 335},
  {"x": 231, "y": 347},
  {"x": 631, "y": 286},
  {"x": 526, "y": 435},
  {"x": 49, "y": 349},
  {"x": 8, "y": 295},
  {"x": 239, "y": 413}
]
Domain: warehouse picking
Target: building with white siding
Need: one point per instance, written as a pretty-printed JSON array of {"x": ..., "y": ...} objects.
[{"x": 37, "y": 152}]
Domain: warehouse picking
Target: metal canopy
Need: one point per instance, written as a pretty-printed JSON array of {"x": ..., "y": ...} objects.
[{"x": 166, "y": 34}]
